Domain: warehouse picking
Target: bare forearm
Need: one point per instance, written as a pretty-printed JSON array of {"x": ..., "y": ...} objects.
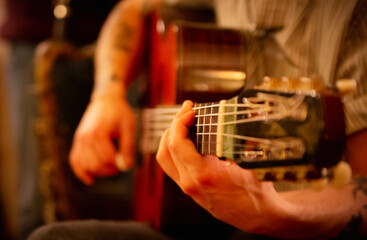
[
  {"x": 328, "y": 212},
  {"x": 120, "y": 45},
  {"x": 309, "y": 214},
  {"x": 333, "y": 210}
]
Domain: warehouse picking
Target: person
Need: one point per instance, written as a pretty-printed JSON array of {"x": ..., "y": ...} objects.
[{"x": 324, "y": 39}]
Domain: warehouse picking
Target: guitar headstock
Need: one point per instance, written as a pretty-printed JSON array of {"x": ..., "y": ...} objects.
[{"x": 288, "y": 129}]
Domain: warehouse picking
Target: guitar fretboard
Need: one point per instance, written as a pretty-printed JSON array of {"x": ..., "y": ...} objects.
[{"x": 205, "y": 130}]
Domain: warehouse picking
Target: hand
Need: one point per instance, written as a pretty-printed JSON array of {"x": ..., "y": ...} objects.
[
  {"x": 93, "y": 152},
  {"x": 227, "y": 191}
]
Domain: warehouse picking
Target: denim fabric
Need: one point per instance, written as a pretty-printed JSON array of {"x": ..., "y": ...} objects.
[{"x": 20, "y": 87}]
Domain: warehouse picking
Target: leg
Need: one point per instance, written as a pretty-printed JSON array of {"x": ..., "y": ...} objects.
[{"x": 96, "y": 230}]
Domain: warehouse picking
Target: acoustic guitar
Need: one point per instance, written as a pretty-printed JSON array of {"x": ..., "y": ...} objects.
[{"x": 284, "y": 129}]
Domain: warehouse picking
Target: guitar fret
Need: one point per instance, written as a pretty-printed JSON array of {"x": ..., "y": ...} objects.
[
  {"x": 199, "y": 130},
  {"x": 213, "y": 130},
  {"x": 210, "y": 128},
  {"x": 197, "y": 127},
  {"x": 206, "y": 128},
  {"x": 202, "y": 113},
  {"x": 220, "y": 120}
]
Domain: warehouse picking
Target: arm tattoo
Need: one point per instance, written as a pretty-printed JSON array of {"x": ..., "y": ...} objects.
[
  {"x": 146, "y": 7},
  {"x": 361, "y": 185},
  {"x": 115, "y": 78},
  {"x": 356, "y": 222},
  {"x": 124, "y": 38},
  {"x": 101, "y": 85}
]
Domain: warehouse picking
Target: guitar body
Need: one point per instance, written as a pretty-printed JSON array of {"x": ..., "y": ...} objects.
[{"x": 187, "y": 63}]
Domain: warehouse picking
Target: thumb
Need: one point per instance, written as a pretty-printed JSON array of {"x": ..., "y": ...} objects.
[
  {"x": 126, "y": 155},
  {"x": 120, "y": 162}
]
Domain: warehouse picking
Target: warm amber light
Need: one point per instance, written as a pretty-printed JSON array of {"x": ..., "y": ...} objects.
[{"x": 60, "y": 11}]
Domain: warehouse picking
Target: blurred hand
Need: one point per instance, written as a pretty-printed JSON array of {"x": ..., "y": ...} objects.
[
  {"x": 93, "y": 152},
  {"x": 227, "y": 191}
]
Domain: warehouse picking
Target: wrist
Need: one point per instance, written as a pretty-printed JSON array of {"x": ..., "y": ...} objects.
[
  {"x": 279, "y": 217},
  {"x": 108, "y": 91}
]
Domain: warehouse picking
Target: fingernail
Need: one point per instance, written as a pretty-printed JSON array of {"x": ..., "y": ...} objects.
[
  {"x": 226, "y": 163},
  {"x": 120, "y": 163}
]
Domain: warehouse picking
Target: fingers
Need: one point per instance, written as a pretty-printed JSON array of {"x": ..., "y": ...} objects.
[
  {"x": 105, "y": 152},
  {"x": 79, "y": 167},
  {"x": 183, "y": 119},
  {"x": 165, "y": 160},
  {"x": 179, "y": 145},
  {"x": 180, "y": 160},
  {"x": 175, "y": 147},
  {"x": 186, "y": 106},
  {"x": 93, "y": 152},
  {"x": 127, "y": 143}
]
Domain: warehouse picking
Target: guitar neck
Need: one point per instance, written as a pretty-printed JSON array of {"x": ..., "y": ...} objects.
[
  {"x": 260, "y": 129},
  {"x": 218, "y": 129},
  {"x": 204, "y": 134}
]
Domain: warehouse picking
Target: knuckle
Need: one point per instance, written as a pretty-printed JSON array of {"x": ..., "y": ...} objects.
[
  {"x": 204, "y": 180},
  {"x": 95, "y": 167},
  {"x": 159, "y": 156},
  {"x": 173, "y": 145},
  {"x": 189, "y": 188},
  {"x": 198, "y": 184},
  {"x": 91, "y": 134},
  {"x": 73, "y": 159},
  {"x": 85, "y": 136}
]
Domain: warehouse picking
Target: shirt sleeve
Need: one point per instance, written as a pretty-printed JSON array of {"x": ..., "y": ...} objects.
[
  {"x": 190, "y": 3},
  {"x": 352, "y": 63}
]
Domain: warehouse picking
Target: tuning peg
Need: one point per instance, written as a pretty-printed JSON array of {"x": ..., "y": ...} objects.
[
  {"x": 342, "y": 174},
  {"x": 318, "y": 184},
  {"x": 346, "y": 86}
]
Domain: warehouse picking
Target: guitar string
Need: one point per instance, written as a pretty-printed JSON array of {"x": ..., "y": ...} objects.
[
  {"x": 273, "y": 142},
  {"x": 235, "y": 113},
  {"x": 270, "y": 116},
  {"x": 229, "y": 114},
  {"x": 157, "y": 115},
  {"x": 155, "y": 125},
  {"x": 244, "y": 148},
  {"x": 243, "y": 153},
  {"x": 173, "y": 111},
  {"x": 175, "y": 108},
  {"x": 254, "y": 109},
  {"x": 261, "y": 102},
  {"x": 276, "y": 145},
  {"x": 250, "y": 102}
]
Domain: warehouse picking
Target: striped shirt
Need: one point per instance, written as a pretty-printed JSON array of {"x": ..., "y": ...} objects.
[{"x": 319, "y": 39}]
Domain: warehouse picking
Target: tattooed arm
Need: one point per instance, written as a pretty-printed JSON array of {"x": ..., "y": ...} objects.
[
  {"x": 108, "y": 115},
  {"x": 357, "y": 155},
  {"x": 339, "y": 211},
  {"x": 120, "y": 44}
]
